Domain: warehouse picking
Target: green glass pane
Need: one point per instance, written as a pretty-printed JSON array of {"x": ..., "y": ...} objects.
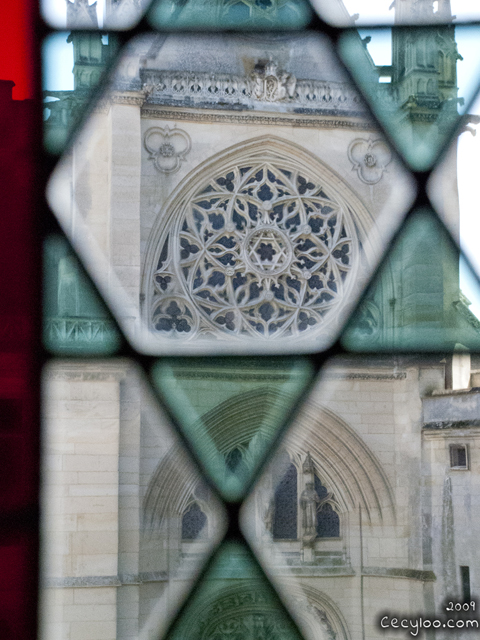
[
  {"x": 234, "y": 600},
  {"x": 418, "y": 81},
  {"x": 232, "y": 410},
  {"x": 73, "y": 66},
  {"x": 76, "y": 320},
  {"x": 415, "y": 302},
  {"x": 251, "y": 14}
]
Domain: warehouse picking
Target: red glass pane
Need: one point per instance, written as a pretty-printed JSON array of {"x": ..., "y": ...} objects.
[{"x": 20, "y": 128}]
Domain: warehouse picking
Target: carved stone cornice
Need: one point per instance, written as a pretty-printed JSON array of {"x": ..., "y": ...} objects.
[
  {"x": 254, "y": 118},
  {"x": 136, "y": 98},
  {"x": 344, "y": 375},
  {"x": 81, "y": 371},
  {"x": 393, "y": 572},
  {"x": 267, "y": 88},
  {"x": 104, "y": 581}
]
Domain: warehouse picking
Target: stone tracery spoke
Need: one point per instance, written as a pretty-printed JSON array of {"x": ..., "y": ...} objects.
[{"x": 261, "y": 250}]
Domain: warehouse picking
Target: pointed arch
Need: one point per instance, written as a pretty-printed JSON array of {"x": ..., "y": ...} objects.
[
  {"x": 232, "y": 425},
  {"x": 312, "y": 609},
  {"x": 347, "y": 465},
  {"x": 328, "y": 520}
]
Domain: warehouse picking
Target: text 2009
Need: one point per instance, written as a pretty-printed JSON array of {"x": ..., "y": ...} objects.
[{"x": 458, "y": 606}]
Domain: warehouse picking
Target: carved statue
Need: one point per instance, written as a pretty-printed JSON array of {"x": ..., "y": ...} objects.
[
  {"x": 268, "y": 515},
  {"x": 309, "y": 503}
]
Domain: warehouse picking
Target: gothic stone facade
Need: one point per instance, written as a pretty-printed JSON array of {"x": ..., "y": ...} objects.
[{"x": 259, "y": 155}]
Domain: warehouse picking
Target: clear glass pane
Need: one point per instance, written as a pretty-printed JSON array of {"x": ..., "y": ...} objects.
[
  {"x": 418, "y": 82},
  {"x": 127, "y": 521},
  {"x": 232, "y": 410},
  {"x": 359, "y": 513},
  {"x": 234, "y": 600},
  {"x": 416, "y": 302},
  {"x": 76, "y": 321},
  {"x": 93, "y": 14},
  {"x": 250, "y": 14},
  {"x": 346, "y": 13},
  {"x": 208, "y": 234}
]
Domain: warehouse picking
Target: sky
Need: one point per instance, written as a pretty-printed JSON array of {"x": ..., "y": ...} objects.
[{"x": 58, "y": 64}]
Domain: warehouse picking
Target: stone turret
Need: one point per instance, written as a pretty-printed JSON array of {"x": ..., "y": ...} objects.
[
  {"x": 424, "y": 72},
  {"x": 408, "y": 11},
  {"x": 90, "y": 53},
  {"x": 81, "y": 15}
]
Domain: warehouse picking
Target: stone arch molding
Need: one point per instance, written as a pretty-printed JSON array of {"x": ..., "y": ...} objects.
[
  {"x": 229, "y": 425},
  {"x": 345, "y": 464},
  {"x": 342, "y": 460},
  {"x": 245, "y": 611},
  {"x": 262, "y": 241}
]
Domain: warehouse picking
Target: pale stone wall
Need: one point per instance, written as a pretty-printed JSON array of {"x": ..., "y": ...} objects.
[
  {"x": 106, "y": 579},
  {"x": 328, "y": 144},
  {"x": 80, "y": 498},
  {"x": 125, "y": 198},
  {"x": 454, "y": 515}
]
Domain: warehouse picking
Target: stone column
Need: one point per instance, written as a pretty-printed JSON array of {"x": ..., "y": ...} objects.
[
  {"x": 125, "y": 199},
  {"x": 80, "y": 500}
]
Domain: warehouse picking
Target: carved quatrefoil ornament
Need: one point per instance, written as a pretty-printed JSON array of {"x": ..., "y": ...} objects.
[
  {"x": 167, "y": 148},
  {"x": 370, "y": 159}
]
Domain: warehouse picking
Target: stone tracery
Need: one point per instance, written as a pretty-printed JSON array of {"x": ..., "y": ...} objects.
[{"x": 261, "y": 249}]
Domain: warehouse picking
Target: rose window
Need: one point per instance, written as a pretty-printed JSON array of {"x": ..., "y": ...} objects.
[{"x": 259, "y": 250}]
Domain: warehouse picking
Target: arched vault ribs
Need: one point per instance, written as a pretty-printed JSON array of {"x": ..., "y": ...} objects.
[
  {"x": 244, "y": 422},
  {"x": 348, "y": 466},
  {"x": 345, "y": 463}
]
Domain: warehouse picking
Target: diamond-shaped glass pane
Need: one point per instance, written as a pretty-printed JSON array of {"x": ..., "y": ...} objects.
[
  {"x": 232, "y": 411},
  {"x": 234, "y": 600},
  {"x": 415, "y": 302},
  {"x": 207, "y": 234},
  {"x": 227, "y": 14},
  {"x": 418, "y": 82},
  {"x": 127, "y": 521}
]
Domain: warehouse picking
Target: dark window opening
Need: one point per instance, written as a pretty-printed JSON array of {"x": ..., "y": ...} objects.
[
  {"x": 286, "y": 499},
  {"x": 328, "y": 522},
  {"x": 465, "y": 577},
  {"x": 194, "y": 523},
  {"x": 458, "y": 456},
  {"x": 234, "y": 460}
]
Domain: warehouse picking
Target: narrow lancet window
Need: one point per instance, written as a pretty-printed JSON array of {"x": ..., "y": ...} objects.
[
  {"x": 286, "y": 509},
  {"x": 194, "y": 523}
]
